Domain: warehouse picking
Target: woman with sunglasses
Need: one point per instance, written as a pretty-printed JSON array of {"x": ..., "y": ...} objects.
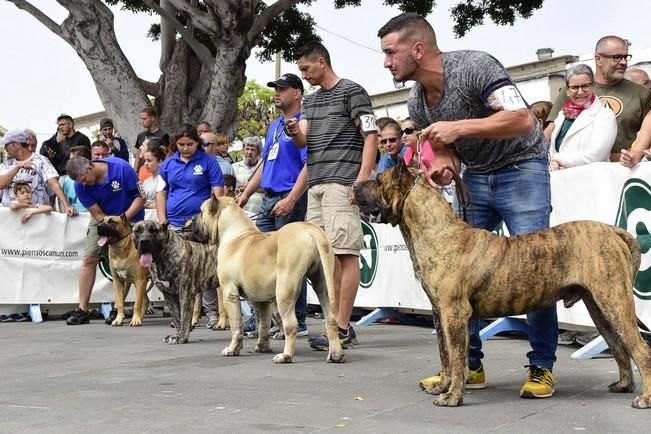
[
  {"x": 391, "y": 139},
  {"x": 584, "y": 130},
  {"x": 410, "y": 138}
]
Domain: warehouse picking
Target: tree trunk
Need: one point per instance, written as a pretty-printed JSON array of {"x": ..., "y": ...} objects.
[{"x": 89, "y": 30}]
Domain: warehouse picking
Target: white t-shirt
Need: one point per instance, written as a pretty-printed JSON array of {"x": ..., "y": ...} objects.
[
  {"x": 242, "y": 174},
  {"x": 37, "y": 177}
]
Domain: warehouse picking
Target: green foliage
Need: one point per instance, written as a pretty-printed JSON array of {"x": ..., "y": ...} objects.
[
  {"x": 471, "y": 13},
  {"x": 255, "y": 109}
]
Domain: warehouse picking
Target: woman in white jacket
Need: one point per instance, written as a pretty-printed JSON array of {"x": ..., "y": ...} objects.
[{"x": 585, "y": 129}]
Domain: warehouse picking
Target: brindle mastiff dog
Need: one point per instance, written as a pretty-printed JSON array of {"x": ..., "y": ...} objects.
[
  {"x": 187, "y": 266},
  {"x": 123, "y": 256},
  {"x": 263, "y": 268},
  {"x": 468, "y": 272}
]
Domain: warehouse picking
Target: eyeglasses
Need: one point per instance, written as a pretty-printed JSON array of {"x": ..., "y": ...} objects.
[
  {"x": 583, "y": 87},
  {"x": 388, "y": 140},
  {"x": 408, "y": 131},
  {"x": 617, "y": 57},
  {"x": 208, "y": 143}
]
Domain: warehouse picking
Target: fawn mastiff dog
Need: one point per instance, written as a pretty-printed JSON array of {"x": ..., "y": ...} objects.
[
  {"x": 263, "y": 268},
  {"x": 468, "y": 272},
  {"x": 115, "y": 231},
  {"x": 187, "y": 267}
]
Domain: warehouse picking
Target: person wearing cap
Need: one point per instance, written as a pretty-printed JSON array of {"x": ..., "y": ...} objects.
[
  {"x": 338, "y": 128},
  {"x": 245, "y": 169},
  {"x": 282, "y": 174},
  {"x": 117, "y": 146},
  {"x": 57, "y": 147},
  {"x": 34, "y": 169}
]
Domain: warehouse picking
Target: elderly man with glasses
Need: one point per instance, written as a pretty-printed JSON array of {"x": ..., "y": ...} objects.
[{"x": 629, "y": 102}]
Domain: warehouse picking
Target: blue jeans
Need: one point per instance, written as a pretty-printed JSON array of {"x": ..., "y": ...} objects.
[
  {"x": 520, "y": 196},
  {"x": 268, "y": 223}
]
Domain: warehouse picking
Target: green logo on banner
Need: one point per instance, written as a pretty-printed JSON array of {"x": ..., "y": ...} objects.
[
  {"x": 105, "y": 268},
  {"x": 634, "y": 215},
  {"x": 368, "y": 257}
]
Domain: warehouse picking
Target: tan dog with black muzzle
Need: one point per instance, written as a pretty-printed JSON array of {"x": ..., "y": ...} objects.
[
  {"x": 125, "y": 269},
  {"x": 473, "y": 273},
  {"x": 278, "y": 262}
]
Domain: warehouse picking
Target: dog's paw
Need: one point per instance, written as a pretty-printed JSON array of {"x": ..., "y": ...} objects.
[
  {"x": 448, "y": 400},
  {"x": 117, "y": 322},
  {"x": 221, "y": 325},
  {"x": 168, "y": 338},
  {"x": 228, "y": 352},
  {"x": 336, "y": 357},
  {"x": 642, "y": 401},
  {"x": 135, "y": 322},
  {"x": 282, "y": 358},
  {"x": 618, "y": 387},
  {"x": 263, "y": 348}
]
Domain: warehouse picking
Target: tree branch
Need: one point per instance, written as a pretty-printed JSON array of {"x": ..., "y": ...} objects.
[
  {"x": 202, "y": 52},
  {"x": 200, "y": 19},
  {"x": 268, "y": 14},
  {"x": 36, "y": 13},
  {"x": 151, "y": 88}
]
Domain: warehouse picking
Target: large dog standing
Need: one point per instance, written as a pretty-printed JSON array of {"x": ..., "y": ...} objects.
[
  {"x": 125, "y": 269},
  {"x": 277, "y": 263},
  {"x": 468, "y": 272},
  {"x": 188, "y": 268}
]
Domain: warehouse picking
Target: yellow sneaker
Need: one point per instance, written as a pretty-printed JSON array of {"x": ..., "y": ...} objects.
[
  {"x": 477, "y": 380},
  {"x": 540, "y": 383}
]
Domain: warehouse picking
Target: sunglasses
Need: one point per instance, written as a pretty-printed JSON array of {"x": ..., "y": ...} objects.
[
  {"x": 389, "y": 140},
  {"x": 409, "y": 131}
]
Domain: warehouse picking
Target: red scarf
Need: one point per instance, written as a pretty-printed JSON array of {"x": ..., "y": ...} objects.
[{"x": 572, "y": 111}]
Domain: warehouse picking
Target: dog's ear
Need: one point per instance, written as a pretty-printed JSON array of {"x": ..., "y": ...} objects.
[
  {"x": 398, "y": 169},
  {"x": 123, "y": 217},
  {"x": 214, "y": 205},
  {"x": 165, "y": 227}
]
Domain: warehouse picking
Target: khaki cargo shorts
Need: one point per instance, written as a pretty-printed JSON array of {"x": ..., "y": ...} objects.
[
  {"x": 90, "y": 246},
  {"x": 328, "y": 207}
]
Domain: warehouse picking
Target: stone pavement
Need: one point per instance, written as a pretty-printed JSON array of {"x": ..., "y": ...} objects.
[{"x": 95, "y": 378}]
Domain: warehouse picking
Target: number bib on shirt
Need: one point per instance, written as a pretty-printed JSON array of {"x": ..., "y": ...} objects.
[{"x": 273, "y": 152}]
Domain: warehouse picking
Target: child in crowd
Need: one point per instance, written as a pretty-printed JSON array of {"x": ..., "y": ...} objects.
[{"x": 23, "y": 192}]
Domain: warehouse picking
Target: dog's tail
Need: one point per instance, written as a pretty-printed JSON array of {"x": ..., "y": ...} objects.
[
  {"x": 327, "y": 259},
  {"x": 634, "y": 249}
]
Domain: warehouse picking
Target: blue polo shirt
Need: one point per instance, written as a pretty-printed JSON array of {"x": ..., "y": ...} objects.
[
  {"x": 282, "y": 162},
  {"x": 387, "y": 162},
  {"x": 116, "y": 193},
  {"x": 189, "y": 184}
]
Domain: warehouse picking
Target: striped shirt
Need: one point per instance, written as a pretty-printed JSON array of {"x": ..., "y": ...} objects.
[{"x": 334, "y": 143}]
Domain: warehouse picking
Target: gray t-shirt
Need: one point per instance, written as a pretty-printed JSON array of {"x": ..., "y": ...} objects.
[
  {"x": 334, "y": 143},
  {"x": 471, "y": 79}
]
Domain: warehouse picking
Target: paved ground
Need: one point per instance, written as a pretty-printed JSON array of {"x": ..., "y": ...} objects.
[{"x": 95, "y": 378}]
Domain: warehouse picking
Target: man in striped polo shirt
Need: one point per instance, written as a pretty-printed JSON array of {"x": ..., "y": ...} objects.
[{"x": 338, "y": 128}]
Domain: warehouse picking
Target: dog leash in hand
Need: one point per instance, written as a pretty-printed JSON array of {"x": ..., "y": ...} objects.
[{"x": 460, "y": 189}]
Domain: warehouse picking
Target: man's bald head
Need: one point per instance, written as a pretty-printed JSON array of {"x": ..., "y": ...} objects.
[
  {"x": 411, "y": 27},
  {"x": 638, "y": 76},
  {"x": 609, "y": 41}
]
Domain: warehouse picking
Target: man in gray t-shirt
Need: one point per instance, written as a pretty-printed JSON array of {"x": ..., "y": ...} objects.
[{"x": 467, "y": 106}]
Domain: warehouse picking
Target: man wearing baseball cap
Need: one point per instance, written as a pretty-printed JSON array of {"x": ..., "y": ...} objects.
[
  {"x": 283, "y": 176},
  {"x": 117, "y": 146},
  {"x": 32, "y": 168}
]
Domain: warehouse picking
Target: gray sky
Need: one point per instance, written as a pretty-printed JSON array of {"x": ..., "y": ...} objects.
[{"x": 41, "y": 76}]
